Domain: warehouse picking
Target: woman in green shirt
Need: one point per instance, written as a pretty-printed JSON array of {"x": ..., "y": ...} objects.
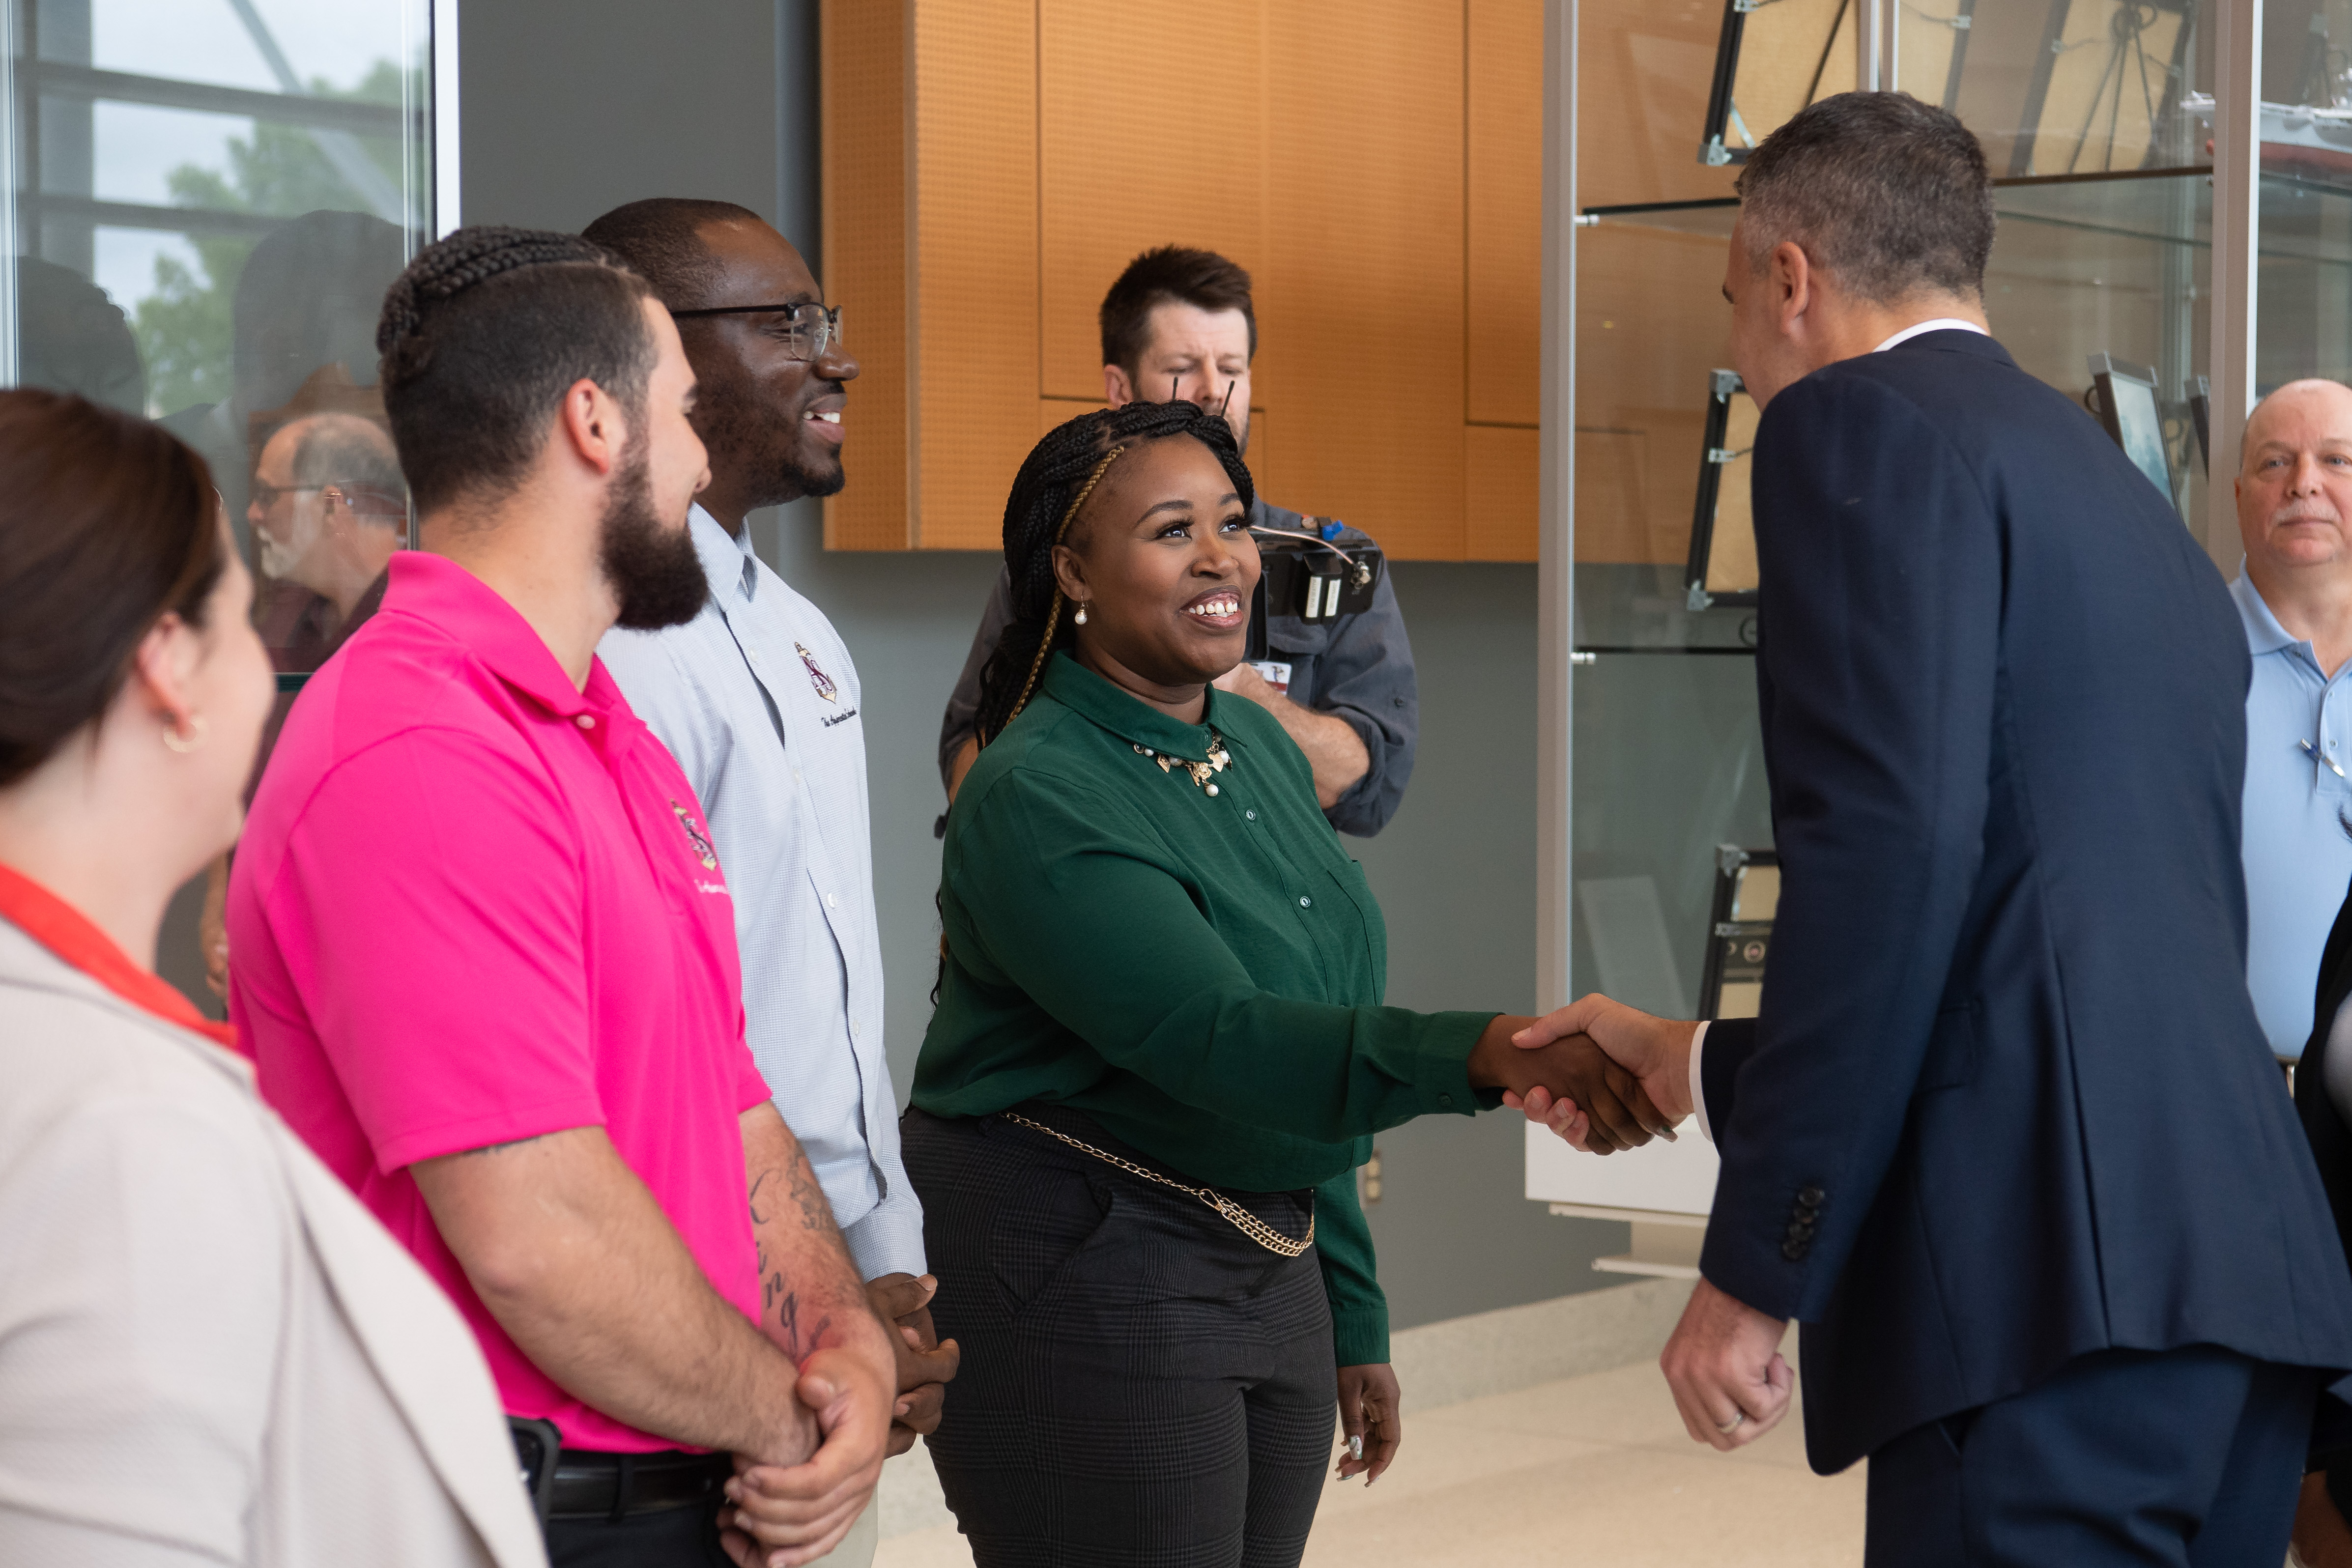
[{"x": 1160, "y": 1050}]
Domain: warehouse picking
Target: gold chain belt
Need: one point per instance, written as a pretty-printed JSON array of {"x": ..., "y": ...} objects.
[{"x": 1241, "y": 1218}]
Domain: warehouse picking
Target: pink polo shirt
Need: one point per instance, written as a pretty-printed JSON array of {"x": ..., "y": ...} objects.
[{"x": 473, "y": 905}]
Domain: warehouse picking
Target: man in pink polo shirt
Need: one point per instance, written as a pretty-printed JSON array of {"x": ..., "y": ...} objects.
[{"x": 485, "y": 955}]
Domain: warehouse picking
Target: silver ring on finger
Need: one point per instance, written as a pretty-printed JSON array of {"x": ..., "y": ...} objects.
[{"x": 1728, "y": 1427}]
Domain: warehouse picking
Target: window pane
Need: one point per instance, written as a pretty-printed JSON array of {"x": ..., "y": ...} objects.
[{"x": 211, "y": 201}]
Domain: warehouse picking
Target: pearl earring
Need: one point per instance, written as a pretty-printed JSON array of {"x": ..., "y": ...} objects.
[{"x": 1080, "y": 618}]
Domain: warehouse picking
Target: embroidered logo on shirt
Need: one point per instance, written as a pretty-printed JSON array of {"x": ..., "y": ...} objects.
[
  {"x": 818, "y": 678},
  {"x": 695, "y": 835}
]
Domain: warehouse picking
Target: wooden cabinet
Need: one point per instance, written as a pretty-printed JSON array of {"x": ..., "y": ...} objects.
[{"x": 991, "y": 164}]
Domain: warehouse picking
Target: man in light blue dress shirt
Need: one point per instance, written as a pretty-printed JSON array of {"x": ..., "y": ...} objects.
[
  {"x": 760, "y": 702},
  {"x": 2295, "y": 510}
]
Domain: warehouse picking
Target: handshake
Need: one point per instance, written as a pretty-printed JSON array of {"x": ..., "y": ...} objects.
[{"x": 1601, "y": 1075}]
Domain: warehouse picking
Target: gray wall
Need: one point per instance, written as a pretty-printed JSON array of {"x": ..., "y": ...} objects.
[{"x": 718, "y": 99}]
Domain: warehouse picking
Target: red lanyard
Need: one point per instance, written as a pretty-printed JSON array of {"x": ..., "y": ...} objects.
[{"x": 67, "y": 932}]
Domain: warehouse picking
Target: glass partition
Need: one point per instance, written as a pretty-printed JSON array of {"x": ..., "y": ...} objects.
[
  {"x": 206, "y": 201},
  {"x": 2093, "y": 113},
  {"x": 2096, "y": 117}
]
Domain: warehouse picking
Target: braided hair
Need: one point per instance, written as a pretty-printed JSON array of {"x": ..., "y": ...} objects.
[
  {"x": 481, "y": 335},
  {"x": 1058, "y": 475}
]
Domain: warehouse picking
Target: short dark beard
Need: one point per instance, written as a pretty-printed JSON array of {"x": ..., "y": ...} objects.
[
  {"x": 654, "y": 572},
  {"x": 744, "y": 437}
]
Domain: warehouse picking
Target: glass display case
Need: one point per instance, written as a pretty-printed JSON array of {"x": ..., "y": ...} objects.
[
  {"x": 205, "y": 201},
  {"x": 2118, "y": 276},
  {"x": 2098, "y": 117},
  {"x": 2095, "y": 116}
]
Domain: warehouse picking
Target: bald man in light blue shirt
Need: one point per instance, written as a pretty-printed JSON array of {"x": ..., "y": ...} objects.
[{"x": 2295, "y": 510}]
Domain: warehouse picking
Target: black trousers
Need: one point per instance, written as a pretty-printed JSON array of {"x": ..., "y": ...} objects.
[
  {"x": 1142, "y": 1385},
  {"x": 673, "y": 1538},
  {"x": 2186, "y": 1459}
]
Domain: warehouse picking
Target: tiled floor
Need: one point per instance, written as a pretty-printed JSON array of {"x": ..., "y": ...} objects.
[{"x": 1591, "y": 1468}]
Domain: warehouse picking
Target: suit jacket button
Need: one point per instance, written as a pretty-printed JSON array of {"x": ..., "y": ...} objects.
[
  {"x": 1803, "y": 1230},
  {"x": 1812, "y": 1197},
  {"x": 1792, "y": 1251}
]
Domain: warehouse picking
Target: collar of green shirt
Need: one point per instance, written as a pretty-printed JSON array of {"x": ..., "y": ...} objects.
[{"x": 1131, "y": 719}]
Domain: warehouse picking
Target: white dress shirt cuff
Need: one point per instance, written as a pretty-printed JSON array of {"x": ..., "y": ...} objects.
[
  {"x": 888, "y": 1239},
  {"x": 1698, "y": 1085}
]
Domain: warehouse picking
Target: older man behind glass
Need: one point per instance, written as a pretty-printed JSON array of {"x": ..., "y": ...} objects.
[
  {"x": 329, "y": 508},
  {"x": 2294, "y": 509}
]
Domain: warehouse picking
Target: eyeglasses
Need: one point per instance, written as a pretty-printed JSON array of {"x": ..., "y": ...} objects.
[
  {"x": 359, "y": 497},
  {"x": 266, "y": 495},
  {"x": 810, "y": 326}
]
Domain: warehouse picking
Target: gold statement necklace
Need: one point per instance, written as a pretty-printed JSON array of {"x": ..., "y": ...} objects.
[{"x": 1203, "y": 774}]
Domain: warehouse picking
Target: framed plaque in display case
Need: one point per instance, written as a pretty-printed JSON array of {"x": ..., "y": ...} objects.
[
  {"x": 1771, "y": 60},
  {"x": 1739, "y": 938},
  {"x": 2124, "y": 398},
  {"x": 1722, "y": 568}
]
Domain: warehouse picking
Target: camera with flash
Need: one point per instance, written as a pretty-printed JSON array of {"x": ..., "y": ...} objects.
[{"x": 1308, "y": 576}]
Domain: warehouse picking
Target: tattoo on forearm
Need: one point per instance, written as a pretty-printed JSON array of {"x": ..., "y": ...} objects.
[
  {"x": 501, "y": 1148},
  {"x": 779, "y": 1303},
  {"x": 816, "y": 1214},
  {"x": 789, "y": 1320}
]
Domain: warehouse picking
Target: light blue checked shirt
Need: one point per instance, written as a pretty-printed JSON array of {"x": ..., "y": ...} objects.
[
  {"x": 756, "y": 699},
  {"x": 2298, "y": 858}
]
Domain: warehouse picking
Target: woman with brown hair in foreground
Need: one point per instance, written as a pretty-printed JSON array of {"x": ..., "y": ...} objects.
[{"x": 208, "y": 1351}]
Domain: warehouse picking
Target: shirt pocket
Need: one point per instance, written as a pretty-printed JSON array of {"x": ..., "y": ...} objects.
[{"x": 1344, "y": 919}]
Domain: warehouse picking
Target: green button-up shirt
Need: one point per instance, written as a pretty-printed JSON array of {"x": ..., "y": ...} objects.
[{"x": 1201, "y": 974}]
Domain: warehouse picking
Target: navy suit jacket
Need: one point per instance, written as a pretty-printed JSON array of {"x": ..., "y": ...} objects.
[{"x": 2006, "y": 1102}]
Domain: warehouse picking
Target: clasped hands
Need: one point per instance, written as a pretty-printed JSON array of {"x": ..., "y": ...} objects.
[
  {"x": 1724, "y": 1364},
  {"x": 779, "y": 1515}
]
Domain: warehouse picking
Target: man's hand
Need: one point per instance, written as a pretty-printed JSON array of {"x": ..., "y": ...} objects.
[
  {"x": 779, "y": 1517},
  {"x": 903, "y": 1303},
  {"x": 1655, "y": 1050},
  {"x": 1724, "y": 1363},
  {"x": 1370, "y": 1408},
  {"x": 1244, "y": 681},
  {"x": 2321, "y": 1538},
  {"x": 212, "y": 926},
  {"x": 1335, "y": 752},
  {"x": 1606, "y": 1107}
]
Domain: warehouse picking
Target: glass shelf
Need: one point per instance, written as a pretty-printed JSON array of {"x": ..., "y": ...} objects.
[{"x": 2115, "y": 264}]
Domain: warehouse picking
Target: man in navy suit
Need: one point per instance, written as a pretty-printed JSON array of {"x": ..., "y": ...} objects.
[{"x": 2006, "y": 1139}]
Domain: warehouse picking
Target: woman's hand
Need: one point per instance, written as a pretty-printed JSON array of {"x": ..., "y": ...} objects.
[{"x": 1369, "y": 1408}]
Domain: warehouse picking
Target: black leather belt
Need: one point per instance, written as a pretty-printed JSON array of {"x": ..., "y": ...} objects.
[{"x": 590, "y": 1485}]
